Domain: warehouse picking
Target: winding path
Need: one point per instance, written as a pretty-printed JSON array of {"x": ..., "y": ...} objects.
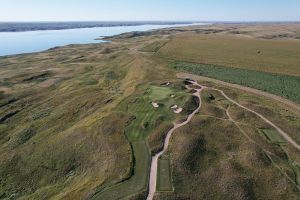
[
  {"x": 279, "y": 130},
  {"x": 153, "y": 170},
  {"x": 154, "y": 163}
]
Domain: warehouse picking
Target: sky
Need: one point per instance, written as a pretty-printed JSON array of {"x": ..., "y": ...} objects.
[{"x": 153, "y": 10}]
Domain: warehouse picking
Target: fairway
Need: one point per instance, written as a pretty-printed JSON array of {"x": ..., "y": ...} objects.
[
  {"x": 146, "y": 115},
  {"x": 164, "y": 176},
  {"x": 139, "y": 180},
  {"x": 281, "y": 57},
  {"x": 273, "y": 136}
]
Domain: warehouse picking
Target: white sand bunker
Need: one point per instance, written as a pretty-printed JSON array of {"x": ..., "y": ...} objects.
[
  {"x": 155, "y": 105},
  {"x": 178, "y": 110},
  {"x": 174, "y": 107},
  {"x": 166, "y": 84}
]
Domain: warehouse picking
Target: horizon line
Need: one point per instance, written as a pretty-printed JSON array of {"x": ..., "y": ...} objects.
[{"x": 173, "y": 21}]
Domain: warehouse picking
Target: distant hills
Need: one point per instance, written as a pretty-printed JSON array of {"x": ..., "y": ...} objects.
[{"x": 37, "y": 26}]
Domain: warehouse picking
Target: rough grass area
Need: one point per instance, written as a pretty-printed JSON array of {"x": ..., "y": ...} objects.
[
  {"x": 281, "y": 85},
  {"x": 138, "y": 181},
  {"x": 154, "y": 46},
  {"x": 164, "y": 178},
  {"x": 213, "y": 159}
]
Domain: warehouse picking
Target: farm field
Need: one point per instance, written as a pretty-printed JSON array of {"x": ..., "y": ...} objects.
[
  {"x": 281, "y": 85},
  {"x": 273, "y": 56}
]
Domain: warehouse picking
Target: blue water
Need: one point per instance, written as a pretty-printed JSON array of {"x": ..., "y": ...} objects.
[{"x": 12, "y": 43}]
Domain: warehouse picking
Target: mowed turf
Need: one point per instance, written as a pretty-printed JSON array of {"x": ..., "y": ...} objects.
[
  {"x": 273, "y": 136},
  {"x": 164, "y": 177},
  {"x": 137, "y": 133},
  {"x": 146, "y": 115},
  {"x": 275, "y": 56},
  {"x": 138, "y": 181},
  {"x": 159, "y": 93}
]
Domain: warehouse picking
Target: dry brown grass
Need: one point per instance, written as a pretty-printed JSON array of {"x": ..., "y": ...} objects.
[{"x": 275, "y": 56}]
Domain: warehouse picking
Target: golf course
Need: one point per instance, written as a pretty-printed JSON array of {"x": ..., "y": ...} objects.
[{"x": 195, "y": 112}]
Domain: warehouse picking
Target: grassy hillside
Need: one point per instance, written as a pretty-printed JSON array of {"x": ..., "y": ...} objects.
[
  {"x": 60, "y": 136},
  {"x": 275, "y": 56},
  {"x": 214, "y": 158},
  {"x": 78, "y": 123}
]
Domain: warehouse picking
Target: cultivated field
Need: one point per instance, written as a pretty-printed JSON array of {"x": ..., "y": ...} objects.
[
  {"x": 273, "y": 56},
  {"x": 280, "y": 85}
]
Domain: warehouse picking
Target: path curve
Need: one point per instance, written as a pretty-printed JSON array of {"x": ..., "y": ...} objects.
[
  {"x": 153, "y": 172},
  {"x": 294, "y": 107},
  {"x": 154, "y": 162},
  {"x": 279, "y": 130}
]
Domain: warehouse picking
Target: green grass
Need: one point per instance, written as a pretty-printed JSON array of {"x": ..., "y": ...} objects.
[
  {"x": 164, "y": 178},
  {"x": 273, "y": 136},
  {"x": 146, "y": 115},
  {"x": 137, "y": 132},
  {"x": 159, "y": 93},
  {"x": 138, "y": 182},
  {"x": 281, "y": 85}
]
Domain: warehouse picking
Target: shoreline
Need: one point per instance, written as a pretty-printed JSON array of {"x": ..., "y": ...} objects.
[
  {"x": 18, "y": 27},
  {"x": 97, "y": 39}
]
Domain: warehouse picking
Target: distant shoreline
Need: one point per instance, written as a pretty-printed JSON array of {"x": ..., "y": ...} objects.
[{"x": 45, "y": 26}]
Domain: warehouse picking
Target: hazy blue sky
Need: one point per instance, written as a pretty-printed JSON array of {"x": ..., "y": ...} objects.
[{"x": 224, "y": 10}]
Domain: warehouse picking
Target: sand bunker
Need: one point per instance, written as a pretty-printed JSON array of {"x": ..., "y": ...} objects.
[
  {"x": 166, "y": 84},
  {"x": 155, "y": 105},
  {"x": 174, "y": 107},
  {"x": 178, "y": 110}
]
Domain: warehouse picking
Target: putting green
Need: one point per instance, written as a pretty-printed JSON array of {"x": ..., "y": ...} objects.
[{"x": 159, "y": 93}]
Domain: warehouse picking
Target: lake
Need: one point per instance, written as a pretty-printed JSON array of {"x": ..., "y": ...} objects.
[{"x": 12, "y": 43}]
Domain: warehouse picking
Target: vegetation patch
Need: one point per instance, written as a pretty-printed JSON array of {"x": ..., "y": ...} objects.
[
  {"x": 273, "y": 136},
  {"x": 164, "y": 177},
  {"x": 281, "y": 85},
  {"x": 137, "y": 183},
  {"x": 158, "y": 93},
  {"x": 154, "y": 47}
]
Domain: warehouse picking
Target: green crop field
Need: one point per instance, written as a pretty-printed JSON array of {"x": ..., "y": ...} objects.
[{"x": 281, "y": 85}]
